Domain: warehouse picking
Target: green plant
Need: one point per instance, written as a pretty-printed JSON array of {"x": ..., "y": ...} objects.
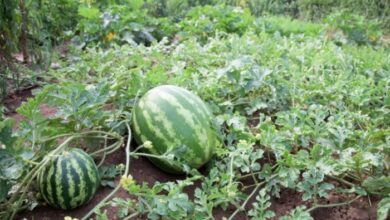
[
  {"x": 165, "y": 200},
  {"x": 373, "y": 10},
  {"x": 261, "y": 206},
  {"x": 30, "y": 150},
  {"x": 287, "y": 26},
  {"x": 9, "y": 166},
  {"x": 166, "y": 8},
  {"x": 122, "y": 23},
  {"x": 275, "y": 7},
  {"x": 384, "y": 208},
  {"x": 206, "y": 21},
  {"x": 355, "y": 27},
  {"x": 8, "y": 27},
  {"x": 316, "y": 10}
]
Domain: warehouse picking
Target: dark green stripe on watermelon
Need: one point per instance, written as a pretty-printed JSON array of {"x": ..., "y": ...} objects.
[
  {"x": 89, "y": 191},
  {"x": 53, "y": 184},
  {"x": 77, "y": 189},
  {"x": 65, "y": 186}
]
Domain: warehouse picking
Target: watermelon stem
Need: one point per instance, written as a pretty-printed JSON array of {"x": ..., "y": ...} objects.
[
  {"x": 138, "y": 148},
  {"x": 30, "y": 162},
  {"x": 83, "y": 134},
  {"x": 128, "y": 149},
  {"x": 131, "y": 216},
  {"x": 252, "y": 174},
  {"x": 102, "y": 202},
  {"x": 162, "y": 156},
  {"x": 104, "y": 152},
  {"x": 110, "y": 149},
  {"x": 316, "y": 206},
  {"x": 257, "y": 186},
  {"x": 246, "y": 201},
  {"x": 258, "y": 183},
  {"x": 341, "y": 180}
]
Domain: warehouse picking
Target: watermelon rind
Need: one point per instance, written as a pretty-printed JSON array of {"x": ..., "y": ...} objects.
[
  {"x": 69, "y": 180},
  {"x": 171, "y": 117}
]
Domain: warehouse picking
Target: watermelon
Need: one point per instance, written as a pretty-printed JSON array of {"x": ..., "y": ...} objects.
[
  {"x": 171, "y": 117},
  {"x": 69, "y": 180}
]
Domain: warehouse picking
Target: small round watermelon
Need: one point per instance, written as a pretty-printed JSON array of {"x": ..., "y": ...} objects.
[
  {"x": 171, "y": 117},
  {"x": 69, "y": 180}
]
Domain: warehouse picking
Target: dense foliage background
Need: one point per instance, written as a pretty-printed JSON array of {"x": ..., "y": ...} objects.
[{"x": 299, "y": 90}]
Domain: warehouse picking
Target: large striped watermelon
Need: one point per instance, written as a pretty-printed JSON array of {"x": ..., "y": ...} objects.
[
  {"x": 70, "y": 180},
  {"x": 172, "y": 117}
]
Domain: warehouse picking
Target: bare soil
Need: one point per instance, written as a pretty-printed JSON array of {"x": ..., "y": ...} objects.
[
  {"x": 15, "y": 99},
  {"x": 144, "y": 171}
]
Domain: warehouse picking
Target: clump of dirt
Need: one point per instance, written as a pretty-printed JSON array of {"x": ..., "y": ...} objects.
[
  {"x": 287, "y": 201},
  {"x": 14, "y": 100}
]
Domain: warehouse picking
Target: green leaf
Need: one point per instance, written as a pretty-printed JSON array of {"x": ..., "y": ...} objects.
[
  {"x": 324, "y": 187},
  {"x": 90, "y": 13},
  {"x": 10, "y": 167},
  {"x": 255, "y": 106},
  {"x": 377, "y": 185},
  {"x": 260, "y": 209},
  {"x": 107, "y": 175},
  {"x": 312, "y": 184},
  {"x": 383, "y": 210},
  {"x": 237, "y": 122},
  {"x": 6, "y": 138},
  {"x": 136, "y": 4},
  {"x": 5, "y": 186}
]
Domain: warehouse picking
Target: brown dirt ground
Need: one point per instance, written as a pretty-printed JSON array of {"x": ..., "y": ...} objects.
[{"x": 143, "y": 171}]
